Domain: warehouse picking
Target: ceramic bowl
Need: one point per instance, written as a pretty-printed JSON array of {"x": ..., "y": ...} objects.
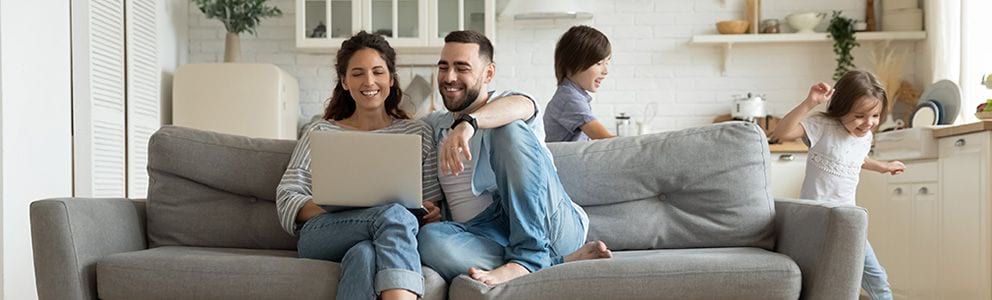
[
  {"x": 805, "y": 22},
  {"x": 732, "y": 26}
]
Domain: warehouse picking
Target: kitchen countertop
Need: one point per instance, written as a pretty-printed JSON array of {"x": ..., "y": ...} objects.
[
  {"x": 946, "y": 131},
  {"x": 788, "y": 147}
]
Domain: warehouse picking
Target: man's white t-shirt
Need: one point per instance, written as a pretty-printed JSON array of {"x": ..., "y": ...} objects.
[
  {"x": 834, "y": 162},
  {"x": 463, "y": 204}
]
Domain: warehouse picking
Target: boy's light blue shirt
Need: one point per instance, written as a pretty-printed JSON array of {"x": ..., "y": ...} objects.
[
  {"x": 567, "y": 112},
  {"x": 483, "y": 177}
]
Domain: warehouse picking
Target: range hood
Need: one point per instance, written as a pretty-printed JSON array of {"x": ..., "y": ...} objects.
[{"x": 548, "y": 9}]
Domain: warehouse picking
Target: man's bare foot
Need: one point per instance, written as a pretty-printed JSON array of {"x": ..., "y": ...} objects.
[
  {"x": 591, "y": 250},
  {"x": 504, "y": 273}
]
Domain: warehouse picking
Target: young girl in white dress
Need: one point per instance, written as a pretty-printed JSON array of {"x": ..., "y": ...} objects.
[{"x": 839, "y": 140}]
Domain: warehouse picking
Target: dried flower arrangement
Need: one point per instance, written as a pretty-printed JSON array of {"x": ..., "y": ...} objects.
[{"x": 889, "y": 64}]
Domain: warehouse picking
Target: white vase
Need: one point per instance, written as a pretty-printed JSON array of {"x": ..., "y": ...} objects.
[{"x": 232, "y": 48}]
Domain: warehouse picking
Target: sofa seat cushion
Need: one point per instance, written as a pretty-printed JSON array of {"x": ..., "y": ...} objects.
[
  {"x": 225, "y": 273},
  {"x": 713, "y": 273}
]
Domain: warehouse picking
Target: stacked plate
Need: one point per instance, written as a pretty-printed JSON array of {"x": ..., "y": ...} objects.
[
  {"x": 938, "y": 105},
  {"x": 928, "y": 114}
]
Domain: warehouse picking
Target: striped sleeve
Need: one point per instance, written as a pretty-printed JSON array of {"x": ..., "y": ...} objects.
[
  {"x": 432, "y": 188},
  {"x": 294, "y": 188}
]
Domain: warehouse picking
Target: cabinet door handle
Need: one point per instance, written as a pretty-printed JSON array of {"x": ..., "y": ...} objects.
[
  {"x": 959, "y": 143},
  {"x": 786, "y": 157},
  {"x": 898, "y": 191},
  {"x": 924, "y": 191}
]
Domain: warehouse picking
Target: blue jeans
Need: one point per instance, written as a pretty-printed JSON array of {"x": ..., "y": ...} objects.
[
  {"x": 376, "y": 247},
  {"x": 531, "y": 221},
  {"x": 874, "y": 280}
]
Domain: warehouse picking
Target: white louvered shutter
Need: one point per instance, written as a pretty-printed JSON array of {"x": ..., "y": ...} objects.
[
  {"x": 143, "y": 91},
  {"x": 98, "y": 98}
]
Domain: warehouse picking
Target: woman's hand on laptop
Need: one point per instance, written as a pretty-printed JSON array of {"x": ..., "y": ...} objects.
[{"x": 433, "y": 213}]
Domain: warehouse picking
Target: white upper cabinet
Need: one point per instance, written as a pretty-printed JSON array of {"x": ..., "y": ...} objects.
[
  {"x": 454, "y": 15},
  {"x": 324, "y": 22},
  {"x": 322, "y": 25}
]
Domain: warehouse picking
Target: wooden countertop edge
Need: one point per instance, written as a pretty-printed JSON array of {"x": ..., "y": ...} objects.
[
  {"x": 788, "y": 147},
  {"x": 962, "y": 129}
]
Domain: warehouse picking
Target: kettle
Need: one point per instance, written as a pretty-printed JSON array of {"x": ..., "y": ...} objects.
[{"x": 748, "y": 107}]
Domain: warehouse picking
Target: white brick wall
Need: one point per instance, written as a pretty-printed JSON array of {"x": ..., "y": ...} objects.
[{"x": 652, "y": 60}]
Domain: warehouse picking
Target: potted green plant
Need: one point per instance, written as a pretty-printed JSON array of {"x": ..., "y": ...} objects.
[
  {"x": 841, "y": 29},
  {"x": 238, "y": 16}
]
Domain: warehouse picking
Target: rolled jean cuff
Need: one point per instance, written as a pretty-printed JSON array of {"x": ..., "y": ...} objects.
[
  {"x": 557, "y": 260},
  {"x": 389, "y": 279},
  {"x": 530, "y": 266}
]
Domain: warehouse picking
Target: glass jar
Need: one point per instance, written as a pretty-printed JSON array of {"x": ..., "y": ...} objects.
[
  {"x": 624, "y": 125},
  {"x": 770, "y": 26}
]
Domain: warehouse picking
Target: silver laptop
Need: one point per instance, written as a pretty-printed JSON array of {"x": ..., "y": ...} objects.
[{"x": 361, "y": 169}]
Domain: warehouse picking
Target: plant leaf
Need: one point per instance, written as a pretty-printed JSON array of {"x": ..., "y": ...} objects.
[{"x": 237, "y": 15}]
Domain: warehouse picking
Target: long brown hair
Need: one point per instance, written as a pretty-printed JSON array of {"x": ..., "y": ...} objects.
[
  {"x": 342, "y": 105},
  {"x": 853, "y": 86},
  {"x": 578, "y": 49}
]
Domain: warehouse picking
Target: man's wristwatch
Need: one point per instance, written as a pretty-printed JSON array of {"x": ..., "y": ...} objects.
[{"x": 466, "y": 118}]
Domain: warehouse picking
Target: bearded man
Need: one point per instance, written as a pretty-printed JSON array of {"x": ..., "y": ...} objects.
[{"x": 509, "y": 213}]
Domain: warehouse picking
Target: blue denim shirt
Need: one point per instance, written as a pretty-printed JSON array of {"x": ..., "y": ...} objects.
[
  {"x": 483, "y": 177},
  {"x": 567, "y": 111}
]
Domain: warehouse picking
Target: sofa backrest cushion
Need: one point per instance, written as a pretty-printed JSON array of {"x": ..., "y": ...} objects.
[
  {"x": 215, "y": 190},
  {"x": 697, "y": 187}
]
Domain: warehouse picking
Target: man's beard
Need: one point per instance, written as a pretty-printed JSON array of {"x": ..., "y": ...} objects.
[{"x": 471, "y": 94}]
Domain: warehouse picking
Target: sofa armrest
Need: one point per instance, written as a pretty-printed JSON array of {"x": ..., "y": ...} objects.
[
  {"x": 69, "y": 235},
  {"x": 827, "y": 241}
]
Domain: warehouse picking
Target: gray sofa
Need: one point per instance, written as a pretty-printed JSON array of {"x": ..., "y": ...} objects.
[{"x": 688, "y": 214}]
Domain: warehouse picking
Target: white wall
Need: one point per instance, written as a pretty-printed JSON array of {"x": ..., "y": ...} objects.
[
  {"x": 35, "y": 118},
  {"x": 173, "y": 39},
  {"x": 1, "y": 153},
  {"x": 653, "y": 61},
  {"x": 36, "y": 125}
]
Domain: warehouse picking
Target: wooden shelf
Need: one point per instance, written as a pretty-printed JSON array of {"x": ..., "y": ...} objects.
[
  {"x": 728, "y": 40},
  {"x": 806, "y": 37}
]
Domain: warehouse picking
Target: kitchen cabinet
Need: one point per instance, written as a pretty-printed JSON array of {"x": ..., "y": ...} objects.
[
  {"x": 931, "y": 226},
  {"x": 964, "y": 246},
  {"x": 903, "y": 222},
  {"x": 904, "y": 218},
  {"x": 786, "y": 174},
  {"x": 871, "y": 187},
  {"x": 321, "y": 25},
  {"x": 925, "y": 230}
]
